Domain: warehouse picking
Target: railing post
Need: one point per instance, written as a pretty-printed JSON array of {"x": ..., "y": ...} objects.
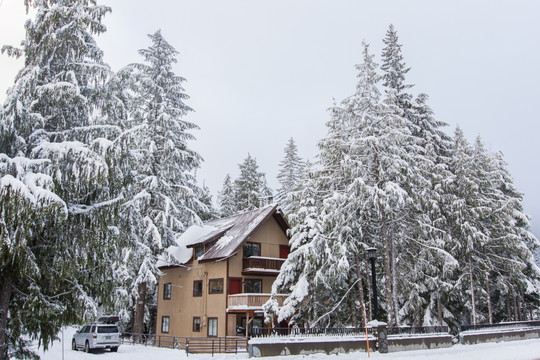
[{"x": 382, "y": 338}]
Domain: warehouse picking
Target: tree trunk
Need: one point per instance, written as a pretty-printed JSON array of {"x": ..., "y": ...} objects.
[
  {"x": 490, "y": 310},
  {"x": 473, "y": 315},
  {"x": 360, "y": 289},
  {"x": 6, "y": 288},
  {"x": 395, "y": 306},
  {"x": 516, "y": 307},
  {"x": 138, "y": 319},
  {"x": 387, "y": 269},
  {"x": 369, "y": 289},
  {"x": 508, "y": 308}
]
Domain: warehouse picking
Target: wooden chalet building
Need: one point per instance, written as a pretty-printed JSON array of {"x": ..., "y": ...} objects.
[{"x": 228, "y": 269}]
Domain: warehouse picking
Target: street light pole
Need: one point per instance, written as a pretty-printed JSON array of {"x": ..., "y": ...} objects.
[{"x": 372, "y": 255}]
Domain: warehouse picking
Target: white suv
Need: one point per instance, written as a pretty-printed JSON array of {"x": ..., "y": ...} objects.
[{"x": 96, "y": 336}]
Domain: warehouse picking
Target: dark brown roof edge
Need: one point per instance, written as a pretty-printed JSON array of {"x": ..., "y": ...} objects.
[
  {"x": 270, "y": 213},
  {"x": 212, "y": 238},
  {"x": 282, "y": 221}
]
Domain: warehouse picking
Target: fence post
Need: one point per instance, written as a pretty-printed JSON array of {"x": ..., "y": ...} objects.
[
  {"x": 212, "y": 348},
  {"x": 382, "y": 338},
  {"x": 187, "y": 347}
]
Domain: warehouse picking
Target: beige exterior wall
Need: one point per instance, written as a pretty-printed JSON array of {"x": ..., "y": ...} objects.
[{"x": 183, "y": 306}]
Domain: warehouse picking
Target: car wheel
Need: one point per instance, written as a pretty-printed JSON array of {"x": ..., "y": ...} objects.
[
  {"x": 73, "y": 345},
  {"x": 114, "y": 349},
  {"x": 87, "y": 347}
]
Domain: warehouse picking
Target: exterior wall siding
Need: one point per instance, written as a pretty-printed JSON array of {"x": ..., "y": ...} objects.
[{"x": 183, "y": 306}]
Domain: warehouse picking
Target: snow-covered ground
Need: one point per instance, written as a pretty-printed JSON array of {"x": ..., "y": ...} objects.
[{"x": 512, "y": 350}]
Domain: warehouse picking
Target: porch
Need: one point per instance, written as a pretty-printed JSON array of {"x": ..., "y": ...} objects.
[{"x": 250, "y": 302}]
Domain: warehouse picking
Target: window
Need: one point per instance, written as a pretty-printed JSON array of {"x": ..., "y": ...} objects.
[
  {"x": 167, "y": 291},
  {"x": 107, "y": 329},
  {"x": 196, "y": 324},
  {"x": 252, "y": 249},
  {"x": 164, "y": 324},
  {"x": 215, "y": 286},
  {"x": 199, "y": 251},
  {"x": 197, "y": 288},
  {"x": 212, "y": 326},
  {"x": 253, "y": 286}
]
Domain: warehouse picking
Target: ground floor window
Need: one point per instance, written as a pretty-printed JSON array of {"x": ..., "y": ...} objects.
[
  {"x": 165, "y": 324},
  {"x": 196, "y": 324},
  {"x": 212, "y": 326},
  {"x": 256, "y": 324}
]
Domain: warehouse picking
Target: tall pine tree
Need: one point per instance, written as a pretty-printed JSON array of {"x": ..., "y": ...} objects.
[
  {"x": 160, "y": 189},
  {"x": 250, "y": 187},
  {"x": 54, "y": 193},
  {"x": 289, "y": 175}
]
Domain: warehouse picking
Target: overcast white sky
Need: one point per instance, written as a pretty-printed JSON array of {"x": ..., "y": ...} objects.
[{"x": 260, "y": 72}]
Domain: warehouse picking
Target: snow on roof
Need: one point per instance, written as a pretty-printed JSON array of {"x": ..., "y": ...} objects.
[{"x": 230, "y": 233}]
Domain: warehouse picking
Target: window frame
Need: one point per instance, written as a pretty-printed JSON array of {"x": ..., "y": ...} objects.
[
  {"x": 167, "y": 291},
  {"x": 250, "y": 245},
  {"x": 198, "y": 324},
  {"x": 210, "y": 287},
  {"x": 163, "y": 322},
  {"x": 198, "y": 249},
  {"x": 253, "y": 280},
  {"x": 198, "y": 294},
  {"x": 211, "y": 319}
]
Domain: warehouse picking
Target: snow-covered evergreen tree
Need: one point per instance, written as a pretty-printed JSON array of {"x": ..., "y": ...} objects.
[
  {"x": 161, "y": 193},
  {"x": 497, "y": 267},
  {"x": 250, "y": 187},
  {"x": 290, "y": 175},
  {"x": 227, "y": 206},
  {"x": 54, "y": 194},
  {"x": 298, "y": 272},
  {"x": 208, "y": 212}
]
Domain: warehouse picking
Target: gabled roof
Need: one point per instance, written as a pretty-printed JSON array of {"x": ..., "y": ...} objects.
[{"x": 229, "y": 233}]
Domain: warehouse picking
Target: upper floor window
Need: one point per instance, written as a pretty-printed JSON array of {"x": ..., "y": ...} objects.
[
  {"x": 167, "y": 291},
  {"x": 199, "y": 251},
  {"x": 197, "y": 288},
  {"x": 252, "y": 249},
  {"x": 215, "y": 286},
  {"x": 253, "y": 286}
]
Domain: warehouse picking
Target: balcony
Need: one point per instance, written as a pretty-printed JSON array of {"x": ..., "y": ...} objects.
[
  {"x": 250, "y": 302},
  {"x": 258, "y": 265}
]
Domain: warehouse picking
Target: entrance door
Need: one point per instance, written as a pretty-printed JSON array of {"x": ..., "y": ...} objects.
[
  {"x": 235, "y": 286},
  {"x": 284, "y": 251}
]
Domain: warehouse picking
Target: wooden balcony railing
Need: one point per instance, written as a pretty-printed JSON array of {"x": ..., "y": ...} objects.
[
  {"x": 251, "y": 301},
  {"x": 262, "y": 263}
]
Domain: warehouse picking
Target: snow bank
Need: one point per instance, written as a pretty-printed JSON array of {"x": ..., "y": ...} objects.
[{"x": 514, "y": 350}]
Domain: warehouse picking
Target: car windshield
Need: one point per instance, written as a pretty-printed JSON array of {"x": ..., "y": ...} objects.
[{"x": 107, "y": 329}]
